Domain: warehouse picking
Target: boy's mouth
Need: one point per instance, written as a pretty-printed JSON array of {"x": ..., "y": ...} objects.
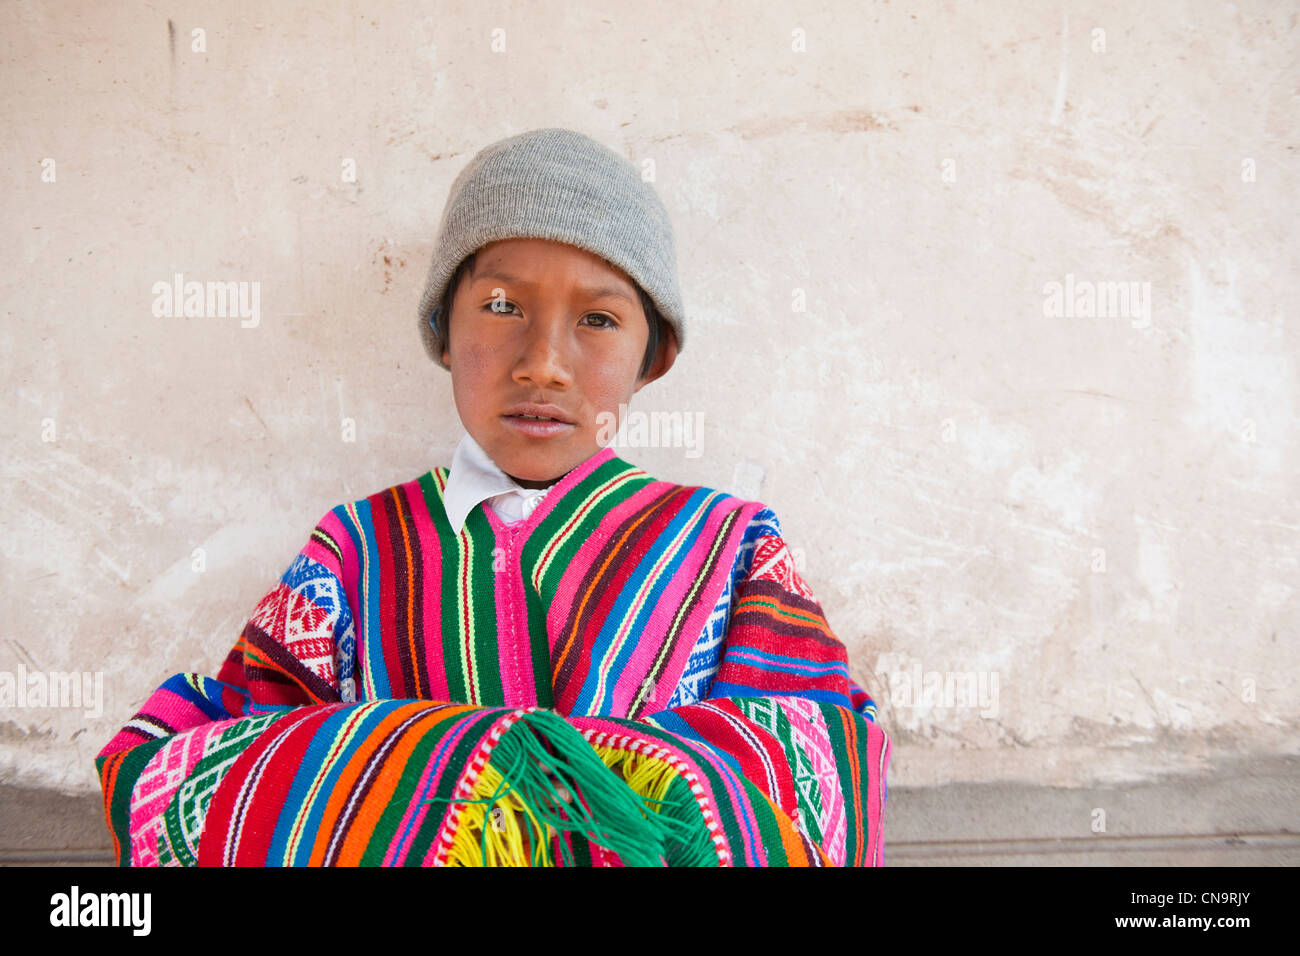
[
  {"x": 538, "y": 421},
  {"x": 531, "y": 411},
  {"x": 535, "y": 427}
]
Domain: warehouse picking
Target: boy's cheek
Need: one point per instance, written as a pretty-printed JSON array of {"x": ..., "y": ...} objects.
[{"x": 473, "y": 365}]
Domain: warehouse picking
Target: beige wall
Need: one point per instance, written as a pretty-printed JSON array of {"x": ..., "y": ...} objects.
[{"x": 1098, "y": 513}]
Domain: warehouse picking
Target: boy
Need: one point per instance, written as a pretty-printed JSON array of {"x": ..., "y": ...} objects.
[{"x": 542, "y": 654}]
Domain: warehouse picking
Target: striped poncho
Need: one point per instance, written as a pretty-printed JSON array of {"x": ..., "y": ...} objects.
[{"x": 635, "y": 674}]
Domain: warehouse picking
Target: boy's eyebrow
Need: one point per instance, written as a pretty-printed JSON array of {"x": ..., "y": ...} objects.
[{"x": 594, "y": 292}]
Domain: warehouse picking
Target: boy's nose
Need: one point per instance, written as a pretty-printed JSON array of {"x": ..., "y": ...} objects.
[{"x": 542, "y": 361}]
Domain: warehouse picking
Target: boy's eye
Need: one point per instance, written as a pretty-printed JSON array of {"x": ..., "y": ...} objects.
[{"x": 506, "y": 307}]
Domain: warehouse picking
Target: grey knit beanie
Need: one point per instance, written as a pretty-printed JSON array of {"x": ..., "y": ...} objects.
[{"x": 561, "y": 185}]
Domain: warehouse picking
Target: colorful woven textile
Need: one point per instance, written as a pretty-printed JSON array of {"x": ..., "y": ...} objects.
[{"x": 634, "y": 675}]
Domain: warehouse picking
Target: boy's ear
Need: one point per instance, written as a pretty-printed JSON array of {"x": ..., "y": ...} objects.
[{"x": 664, "y": 358}]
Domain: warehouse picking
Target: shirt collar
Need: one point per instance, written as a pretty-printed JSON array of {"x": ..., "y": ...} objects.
[{"x": 475, "y": 478}]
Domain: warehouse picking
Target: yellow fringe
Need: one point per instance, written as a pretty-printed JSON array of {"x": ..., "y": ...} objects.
[
  {"x": 648, "y": 777},
  {"x": 505, "y": 837}
]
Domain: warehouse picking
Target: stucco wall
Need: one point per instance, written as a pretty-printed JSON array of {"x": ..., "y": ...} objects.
[{"x": 1092, "y": 518}]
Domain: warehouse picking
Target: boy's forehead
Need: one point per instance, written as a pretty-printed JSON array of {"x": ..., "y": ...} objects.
[{"x": 518, "y": 257}]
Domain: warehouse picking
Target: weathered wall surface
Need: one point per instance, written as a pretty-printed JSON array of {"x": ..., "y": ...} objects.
[{"x": 1089, "y": 513}]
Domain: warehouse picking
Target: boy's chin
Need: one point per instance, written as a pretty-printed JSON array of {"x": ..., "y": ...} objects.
[{"x": 539, "y": 466}]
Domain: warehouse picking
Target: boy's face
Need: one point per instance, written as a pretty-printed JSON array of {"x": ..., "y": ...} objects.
[{"x": 545, "y": 322}]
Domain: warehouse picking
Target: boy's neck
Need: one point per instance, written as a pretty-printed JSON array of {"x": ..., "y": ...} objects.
[{"x": 533, "y": 483}]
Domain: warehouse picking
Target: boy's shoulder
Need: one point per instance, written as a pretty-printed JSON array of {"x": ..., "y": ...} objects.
[
  {"x": 761, "y": 520},
  {"x": 731, "y": 499}
]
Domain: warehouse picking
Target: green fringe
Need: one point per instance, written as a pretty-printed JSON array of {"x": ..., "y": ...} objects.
[
  {"x": 616, "y": 817},
  {"x": 693, "y": 845}
]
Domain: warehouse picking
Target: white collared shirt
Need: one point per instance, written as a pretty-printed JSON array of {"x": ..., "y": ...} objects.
[{"x": 475, "y": 477}]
